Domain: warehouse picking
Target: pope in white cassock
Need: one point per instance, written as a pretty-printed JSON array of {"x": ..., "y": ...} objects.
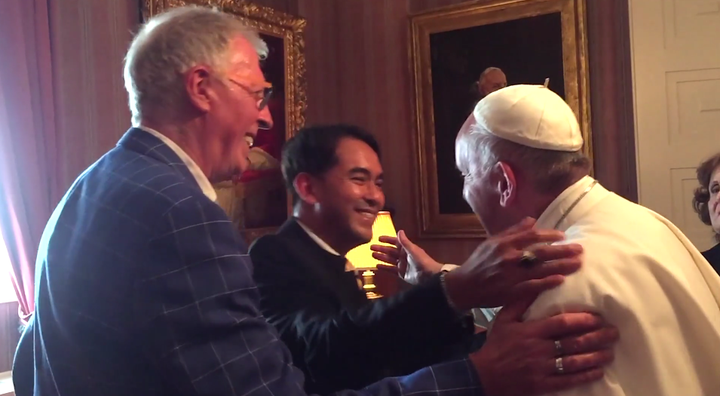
[{"x": 520, "y": 155}]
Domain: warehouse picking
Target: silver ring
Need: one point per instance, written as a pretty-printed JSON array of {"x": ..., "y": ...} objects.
[
  {"x": 559, "y": 366},
  {"x": 558, "y": 348},
  {"x": 528, "y": 258}
]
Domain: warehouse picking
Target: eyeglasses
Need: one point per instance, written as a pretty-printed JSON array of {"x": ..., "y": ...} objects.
[{"x": 263, "y": 95}]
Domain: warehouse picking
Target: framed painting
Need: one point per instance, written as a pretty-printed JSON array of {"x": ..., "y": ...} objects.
[
  {"x": 258, "y": 202},
  {"x": 461, "y": 53}
]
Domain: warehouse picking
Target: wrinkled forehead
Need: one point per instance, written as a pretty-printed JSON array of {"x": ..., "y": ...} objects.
[{"x": 243, "y": 60}]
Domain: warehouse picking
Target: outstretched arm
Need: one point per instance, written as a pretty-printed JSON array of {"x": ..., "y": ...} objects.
[
  {"x": 405, "y": 332},
  {"x": 197, "y": 309}
]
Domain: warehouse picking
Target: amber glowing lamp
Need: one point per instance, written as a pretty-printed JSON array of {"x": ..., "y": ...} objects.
[{"x": 361, "y": 257}]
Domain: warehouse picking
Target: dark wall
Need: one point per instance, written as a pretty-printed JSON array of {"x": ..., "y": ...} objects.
[{"x": 359, "y": 72}]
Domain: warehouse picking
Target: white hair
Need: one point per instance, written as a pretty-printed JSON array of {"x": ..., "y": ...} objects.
[
  {"x": 171, "y": 43},
  {"x": 547, "y": 169},
  {"x": 488, "y": 71}
]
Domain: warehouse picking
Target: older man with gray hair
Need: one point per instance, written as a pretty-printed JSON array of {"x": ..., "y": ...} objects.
[
  {"x": 490, "y": 80},
  {"x": 520, "y": 155},
  {"x": 144, "y": 286}
]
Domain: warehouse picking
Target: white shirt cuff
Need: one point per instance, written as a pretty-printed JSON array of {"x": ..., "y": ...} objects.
[{"x": 448, "y": 267}]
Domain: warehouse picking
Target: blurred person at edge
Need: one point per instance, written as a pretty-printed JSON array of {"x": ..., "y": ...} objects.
[{"x": 706, "y": 202}]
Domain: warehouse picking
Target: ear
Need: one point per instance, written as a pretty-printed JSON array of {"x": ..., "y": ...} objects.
[
  {"x": 197, "y": 85},
  {"x": 506, "y": 184},
  {"x": 306, "y": 188}
]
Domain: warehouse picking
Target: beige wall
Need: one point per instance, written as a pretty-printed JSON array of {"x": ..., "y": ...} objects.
[{"x": 676, "y": 79}]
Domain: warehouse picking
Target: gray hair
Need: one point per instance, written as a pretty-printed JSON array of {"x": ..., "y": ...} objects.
[
  {"x": 549, "y": 170},
  {"x": 488, "y": 71},
  {"x": 168, "y": 45}
]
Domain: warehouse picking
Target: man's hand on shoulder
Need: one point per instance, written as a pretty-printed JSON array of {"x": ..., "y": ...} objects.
[
  {"x": 517, "y": 263},
  {"x": 542, "y": 356}
]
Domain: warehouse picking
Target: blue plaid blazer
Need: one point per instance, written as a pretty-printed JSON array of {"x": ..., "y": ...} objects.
[{"x": 143, "y": 287}]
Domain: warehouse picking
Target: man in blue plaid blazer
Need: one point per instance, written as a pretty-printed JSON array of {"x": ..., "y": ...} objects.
[{"x": 143, "y": 286}]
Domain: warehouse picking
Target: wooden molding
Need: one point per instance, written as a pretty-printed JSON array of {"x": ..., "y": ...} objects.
[{"x": 611, "y": 96}]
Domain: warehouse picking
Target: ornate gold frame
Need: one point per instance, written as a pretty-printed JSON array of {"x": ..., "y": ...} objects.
[
  {"x": 434, "y": 224},
  {"x": 273, "y": 23}
]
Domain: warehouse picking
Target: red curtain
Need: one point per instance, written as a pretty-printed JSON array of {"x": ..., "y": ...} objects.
[{"x": 28, "y": 164}]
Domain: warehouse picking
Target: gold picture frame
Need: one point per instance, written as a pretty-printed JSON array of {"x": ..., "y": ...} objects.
[
  {"x": 431, "y": 41},
  {"x": 259, "y": 202}
]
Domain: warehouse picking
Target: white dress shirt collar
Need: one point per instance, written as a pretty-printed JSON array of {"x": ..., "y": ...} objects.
[
  {"x": 348, "y": 266},
  {"x": 317, "y": 239},
  {"x": 570, "y": 203},
  {"x": 194, "y": 169}
]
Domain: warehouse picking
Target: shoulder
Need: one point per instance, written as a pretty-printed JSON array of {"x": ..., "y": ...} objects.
[
  {"x": 605, "y": 260},
  {"x": 194, "y": 236},
  {"x": 161, "y": 195},
  {"x": 134, "y": 182},
  {"x": 129, "y": 191},
  {"x": 265, "y": 243},
  {"x": 268, "y": 246},
  {"x": 271, "y": 255},
  {"x": 622, "y": 263},
  {"x": 191, "y": 216},
  {"x": 283, "y": 242},
  {"x": 712, "y": 255}
]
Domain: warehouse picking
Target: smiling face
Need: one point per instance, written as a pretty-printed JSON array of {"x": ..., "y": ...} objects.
[
  {"x": 349, "y": 195},
  {"x": 714, "y": 201},
  {"x": 229, "y": 101}
]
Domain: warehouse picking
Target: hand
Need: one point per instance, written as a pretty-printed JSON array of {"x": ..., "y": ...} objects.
[
  {"x": 520, "y": 358},
  {"x": 495, "y": 272},
  {"x": 406, "y": 259}
]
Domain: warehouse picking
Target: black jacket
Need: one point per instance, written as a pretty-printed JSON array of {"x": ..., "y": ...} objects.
[
  {"x": 339, "y": 338},
  {"x": 712, "y": 255}
]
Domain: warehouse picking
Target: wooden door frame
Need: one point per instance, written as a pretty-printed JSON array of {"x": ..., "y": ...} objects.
[{"x": 611, "y": 96}]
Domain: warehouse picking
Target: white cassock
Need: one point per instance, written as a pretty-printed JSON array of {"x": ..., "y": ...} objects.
[{"x": 645, "y": 277}]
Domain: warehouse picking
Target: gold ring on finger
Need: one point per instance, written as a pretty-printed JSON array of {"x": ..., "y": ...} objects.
[
  {"x": 528, "y": 258},
  {"x": 559, "y": 366}
]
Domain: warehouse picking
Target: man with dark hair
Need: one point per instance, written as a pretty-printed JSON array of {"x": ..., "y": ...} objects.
[
  {"x": 339, "y": 338},
  {"x": 314, "y": 153}
]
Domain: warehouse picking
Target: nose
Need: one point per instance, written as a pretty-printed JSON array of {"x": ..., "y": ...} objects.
[
  {"x": 375, "y": 197},
  {"x": 265, "y": 120}
]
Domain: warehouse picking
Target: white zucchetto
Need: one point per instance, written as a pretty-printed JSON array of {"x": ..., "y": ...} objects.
[{"x": 530, "y": 115}]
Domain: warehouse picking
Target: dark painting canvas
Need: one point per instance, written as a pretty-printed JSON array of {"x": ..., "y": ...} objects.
[{"x": 527, "y": 50}]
